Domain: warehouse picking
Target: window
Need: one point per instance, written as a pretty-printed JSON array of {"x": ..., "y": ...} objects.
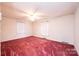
[
  {"x": 20, "y": 28},
  {"x": 0, "y": 16},
  {"x": 44, "y": 28}
]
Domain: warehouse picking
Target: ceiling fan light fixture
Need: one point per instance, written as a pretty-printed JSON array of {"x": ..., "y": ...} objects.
[{"x": 33, "y": 17}]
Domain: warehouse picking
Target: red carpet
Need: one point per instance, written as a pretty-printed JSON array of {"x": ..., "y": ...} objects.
[{"x": 35, "y": 46}]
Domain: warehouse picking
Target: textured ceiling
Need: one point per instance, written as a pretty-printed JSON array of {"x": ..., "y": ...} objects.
[{"x": 53, "y": 9}]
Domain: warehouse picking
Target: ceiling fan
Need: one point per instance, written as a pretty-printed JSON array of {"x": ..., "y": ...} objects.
[{"x": 35, "y": 15}]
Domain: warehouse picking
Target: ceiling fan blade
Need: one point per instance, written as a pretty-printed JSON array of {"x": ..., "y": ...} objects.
[
  {"x": 32, "y": 13},
  {"x": 35, "y": 10},
  {"x": 43, "y": 16}
]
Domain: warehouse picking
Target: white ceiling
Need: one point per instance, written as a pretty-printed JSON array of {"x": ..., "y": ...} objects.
[{"x": 51, "y": 9}]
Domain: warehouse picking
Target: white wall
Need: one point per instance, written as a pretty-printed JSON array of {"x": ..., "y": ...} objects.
[
  {"x": 0, "y": 26},
  {"x": 77, "y": 30},
  {"x": 9, "y": 28},
  {"x": 0, "y": 30},
  {"x": 60, "y": 29}
]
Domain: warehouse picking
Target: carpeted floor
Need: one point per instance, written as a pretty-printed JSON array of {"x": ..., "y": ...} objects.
[{"x": 35, "y": 46}]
